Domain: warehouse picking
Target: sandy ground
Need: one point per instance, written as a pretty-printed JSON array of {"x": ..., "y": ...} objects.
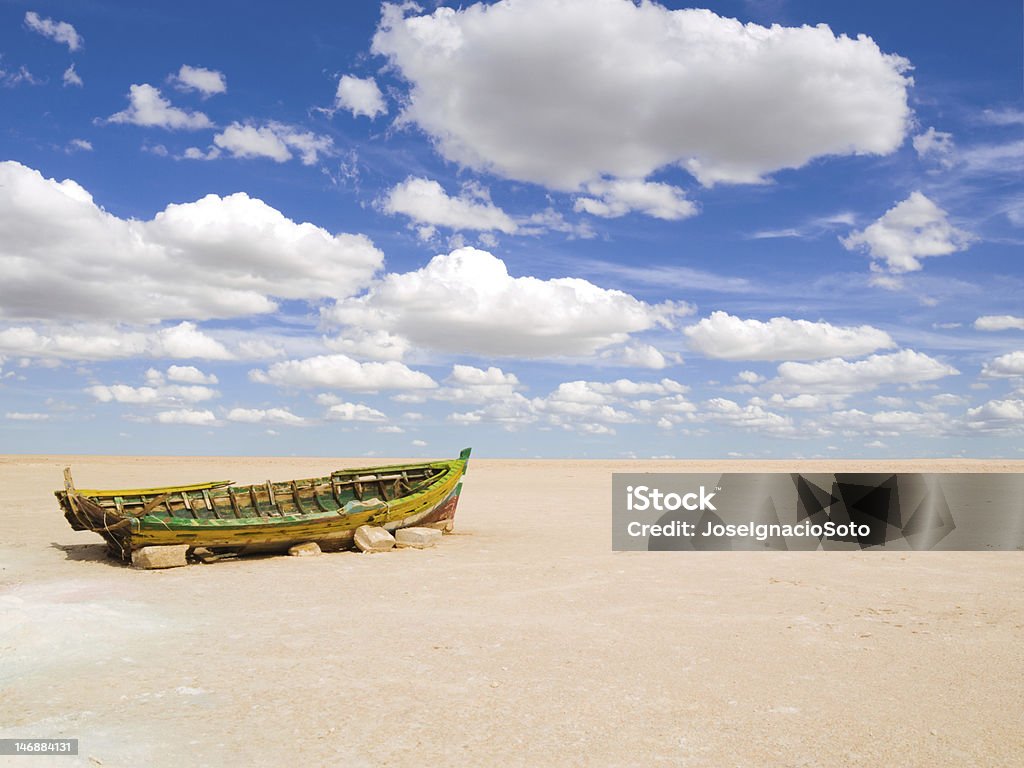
[{"x": 521, "y": 640}]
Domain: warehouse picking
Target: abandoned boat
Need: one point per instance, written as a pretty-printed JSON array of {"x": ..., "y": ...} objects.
[{"x": 269, "y": 516}]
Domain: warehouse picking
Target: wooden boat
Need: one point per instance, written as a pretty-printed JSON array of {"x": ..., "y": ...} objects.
[{"x": 268, "y": 516}]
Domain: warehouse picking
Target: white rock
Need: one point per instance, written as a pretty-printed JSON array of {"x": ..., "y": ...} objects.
[
  {"x": 306, "y": 549},
  {"x": 444, "y": 526},
  {"x": 420, "y": 538},
  {"x": 373, "y": 538},
  {"x": 169, "y": 556}
]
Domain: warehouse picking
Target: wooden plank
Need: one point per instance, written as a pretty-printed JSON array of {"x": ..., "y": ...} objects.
[
  {"x": 234, "y": 503},
  {"x": 316, "y": 496},
  {"x": 211, "y": 504},
  {"x": 273, "y": 499}
]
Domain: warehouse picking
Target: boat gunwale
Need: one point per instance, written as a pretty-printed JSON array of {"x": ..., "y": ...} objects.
[{"x": 94, "y": 493}]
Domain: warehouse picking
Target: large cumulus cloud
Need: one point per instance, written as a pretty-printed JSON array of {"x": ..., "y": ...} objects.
[{"x": 566, "y": 92}]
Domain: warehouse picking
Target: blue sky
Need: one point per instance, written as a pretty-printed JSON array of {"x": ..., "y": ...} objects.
[{"x": 585, "y": 228}]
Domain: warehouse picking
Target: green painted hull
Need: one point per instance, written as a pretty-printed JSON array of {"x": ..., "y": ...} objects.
[{"x": 269, "y": 516}]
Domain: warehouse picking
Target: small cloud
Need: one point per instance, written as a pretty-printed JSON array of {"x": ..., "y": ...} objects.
[
  {"x": 79, "y": 145},
  {"x": 273, "y": 140},
  {"x": 71, "y": 77},
  {"x": 1005, "y": 366},
  {"x": 999, "y": 323},
  {"x": 354, "y": 412},
  {"x": 195, "y": 153},
  {"x": 189, "y": 374},
  {"x": 58, "y": 31},
  {"x": 360, "y": 96},
  {"x": 266, "y": 416},
  {"x": 148, "y": 108},
  {"x": 426, "y": 203},
  {"x": 913, "y": 229},
  {"x": 935, "y": 145},
  {"x": 207, "y": 81},
  {"x": 617, "y": 197},
  {"x": 186, "y": 416},
  {"x": 19, "y": 416},
  {"x": 13, "y": 79}
]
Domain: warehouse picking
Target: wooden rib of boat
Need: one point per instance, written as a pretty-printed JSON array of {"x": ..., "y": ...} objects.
[{"x": 269, "y": 516}]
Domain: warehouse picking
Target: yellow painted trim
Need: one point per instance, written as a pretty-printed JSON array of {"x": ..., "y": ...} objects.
[{"x": 153, "y": 491}]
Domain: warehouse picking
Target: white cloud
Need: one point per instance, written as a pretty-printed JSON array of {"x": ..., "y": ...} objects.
[
  {"x": 883, "y": 423},
  {"x": 354, "y": 412},
  {"x": 617, "y": 197},
  {"x": 22, "y": 416},
  {"x": 1005, "y": 366},
  {"x": 727, "y": 337},
  {"x": 12, "y": 79},
  {"x": 207, "y": 81},
  {"x": 71, "y": 77},
  {"x": 805, "y": 402},
  {"x": 58, "y": 31},
  {"x": 92, "y": 342},
  {"x": 940, "y": 401},
  {"x": 342, "y": 372},
  {"x": 936, "y": 145},
  {"x": 837, "y": 376},
  {"x": 583, "y": 406},
  {"x": 189, "y": 374},
  {"x": 565, "y": 93},
  {"x": 170, "y": 394},
  {"x": 360, "y": 96},
  {"x": 638, "y": 355},
  {"x": 999, "y": 323},
  {"x": 195, "y": 153},
  {"x": 754, "y": 417},
  {"x": 79, "y": 145},
  {"x": 258, "y": 349},
  {"x": 1000, "y": 159},
  {"x": 468, "y": 384},
  {"x": 550, "y": 220},
  {"x": 997, "y": 416},
  {"x": 466, "y": 301},
  {"x": 810, "y": 229},
  {"x": 266, "y": 416},
  {"x": 749, "y": 377},
  {"x": 148, "y": 108},
  {"x": 274, "y": 140},
  {"x": 369, "y": 345},
  {"x": 186, "y": 416},
  {"x": 425, "y": 201},
  {"x": 186, "y": 340},
  {"x": 910, "y": 231},
  {"x": 63, "y": 256}
]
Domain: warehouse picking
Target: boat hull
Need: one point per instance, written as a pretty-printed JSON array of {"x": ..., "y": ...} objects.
[{"x": 272, "y": 516}]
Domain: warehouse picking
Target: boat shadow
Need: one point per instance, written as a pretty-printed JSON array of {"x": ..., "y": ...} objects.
[{"x": 96, "y": 553}]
